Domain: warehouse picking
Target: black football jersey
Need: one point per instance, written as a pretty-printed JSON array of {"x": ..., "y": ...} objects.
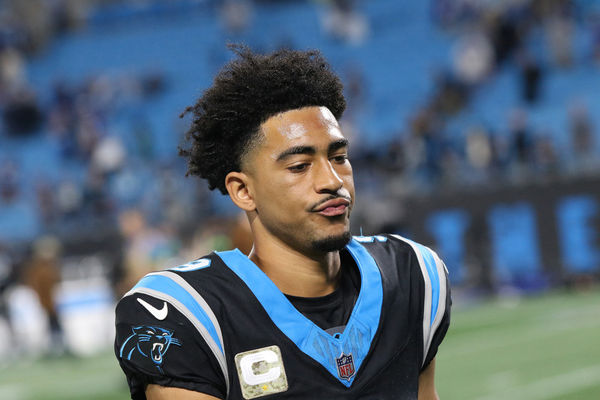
[{"x": 220, "y": 326}]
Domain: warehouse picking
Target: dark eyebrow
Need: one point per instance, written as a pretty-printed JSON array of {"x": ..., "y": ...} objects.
[
  {"x": 310, "y": 150},
  {"x": 296, "y": 150},
  {"x": 338, "y": 144}
]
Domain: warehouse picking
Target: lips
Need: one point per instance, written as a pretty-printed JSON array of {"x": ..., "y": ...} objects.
[{"x": 333, "y": 207}]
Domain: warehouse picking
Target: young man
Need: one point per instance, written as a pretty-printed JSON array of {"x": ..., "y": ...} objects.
[{"x": 312, "y": 313}]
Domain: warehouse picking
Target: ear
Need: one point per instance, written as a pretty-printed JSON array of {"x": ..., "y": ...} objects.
[{"x": 238, "y": 187}]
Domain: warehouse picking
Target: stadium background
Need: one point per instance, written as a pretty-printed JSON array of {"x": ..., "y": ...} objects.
[{"x": 474, "y": 128}]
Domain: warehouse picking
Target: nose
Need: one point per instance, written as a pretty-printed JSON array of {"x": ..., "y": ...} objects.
[{"x": 327, "y": 180}]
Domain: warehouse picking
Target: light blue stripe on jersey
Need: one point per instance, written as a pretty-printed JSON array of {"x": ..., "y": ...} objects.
[
  {"x": 169, "y": 287},
  {"x": 358, "y": 335},
  {"x": 433, "y": 277}
]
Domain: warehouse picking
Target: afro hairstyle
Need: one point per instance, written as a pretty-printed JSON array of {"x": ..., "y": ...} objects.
[{"x": 245, "y": 93}]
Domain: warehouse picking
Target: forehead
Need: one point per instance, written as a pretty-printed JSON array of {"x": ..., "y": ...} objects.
[{"x": 306, "y": 126}]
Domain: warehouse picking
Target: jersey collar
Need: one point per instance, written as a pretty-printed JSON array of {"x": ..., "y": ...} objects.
[{"x": 327, "y": 350}]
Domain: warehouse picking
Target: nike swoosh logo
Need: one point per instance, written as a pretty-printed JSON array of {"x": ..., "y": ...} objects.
[{"x": 158, "y": 314}]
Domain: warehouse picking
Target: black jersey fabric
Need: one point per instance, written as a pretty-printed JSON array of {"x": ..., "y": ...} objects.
[
  {"x": 218, "y": 325},
  {"x": 331, "y": 312}
]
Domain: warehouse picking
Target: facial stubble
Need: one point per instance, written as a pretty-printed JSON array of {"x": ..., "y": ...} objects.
[{"x": 332, "y": 243}]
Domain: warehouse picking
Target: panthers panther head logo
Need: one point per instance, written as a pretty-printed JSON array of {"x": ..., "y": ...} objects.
[{"x": 149, "y": 342}]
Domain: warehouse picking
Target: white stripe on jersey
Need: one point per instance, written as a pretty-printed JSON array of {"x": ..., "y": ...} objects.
[{"x": 430, "y": 327}]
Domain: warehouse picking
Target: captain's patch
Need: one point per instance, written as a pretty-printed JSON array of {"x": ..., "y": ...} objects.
[{"x": 261, "y": 372}]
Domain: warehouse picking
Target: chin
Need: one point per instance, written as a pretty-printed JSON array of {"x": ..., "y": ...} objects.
[{"x": 332, "y": 242}]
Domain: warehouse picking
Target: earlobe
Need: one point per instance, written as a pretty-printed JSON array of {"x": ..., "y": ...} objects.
[{"x": 237, "y": 184}]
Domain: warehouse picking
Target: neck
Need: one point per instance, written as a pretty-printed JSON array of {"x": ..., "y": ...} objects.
[{"x": 294, "y": 272}]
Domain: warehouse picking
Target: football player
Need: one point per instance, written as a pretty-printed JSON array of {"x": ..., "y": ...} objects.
[{"x": 312, "y": 312}]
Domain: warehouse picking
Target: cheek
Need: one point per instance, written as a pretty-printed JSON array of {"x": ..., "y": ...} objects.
[
  {"x": 350, "y": 183},
  {"x": 348, "y": 178},
  {"x": 275, "y": 197},
  {"x": 279, "y": 184}
]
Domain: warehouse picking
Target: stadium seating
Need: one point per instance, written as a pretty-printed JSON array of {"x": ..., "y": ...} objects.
[{"x": 184, "y": 41}]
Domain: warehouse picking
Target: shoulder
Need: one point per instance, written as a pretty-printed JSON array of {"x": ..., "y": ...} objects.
[
  {"x": 184, "y": 279},
  {"x": 182, "y": 288},
  {"x": 407, "y": 253},
  {"x": 178, "y": 286},
  {"x": 412, "y": 255},
  {"x": 405, "y": 259},
  {"x": 175, "y": 296},
  {"x": 167, "y": 316}
]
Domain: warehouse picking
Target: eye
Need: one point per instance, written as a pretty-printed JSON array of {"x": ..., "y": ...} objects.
[
  {"x": 298, "y": 167},
  {"x": 340, "y": 159},
  {"x": 150, "y": 332},
  {"x": 165, "y": 334}
]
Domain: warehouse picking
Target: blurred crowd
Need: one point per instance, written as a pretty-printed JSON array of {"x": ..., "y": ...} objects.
[
  {"x": 137, "y": 211},
  {"x": 434, "y": 152},
  {"x": 26, "y": 28}
]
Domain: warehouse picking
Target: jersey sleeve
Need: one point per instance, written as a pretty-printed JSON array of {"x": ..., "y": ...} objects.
[
  {"x": 437, "y": 303},
  {"x": 166, "y": 338},
  {"x": 435, "y": 297},
  {"x": 437, "y": 335}
]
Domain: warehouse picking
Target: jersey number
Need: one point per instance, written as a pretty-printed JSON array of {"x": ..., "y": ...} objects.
[{"x": 192, "y": 265}]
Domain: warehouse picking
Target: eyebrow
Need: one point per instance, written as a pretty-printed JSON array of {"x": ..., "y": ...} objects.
[
  {"x": 338, "y": 144},
  {"x": 310, "y": 150}
]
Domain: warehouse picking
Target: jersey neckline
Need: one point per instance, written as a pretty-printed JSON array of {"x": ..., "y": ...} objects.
[{"x": 327, "y": 350}]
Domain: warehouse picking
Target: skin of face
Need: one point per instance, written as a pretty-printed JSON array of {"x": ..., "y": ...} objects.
[{"x": 300, "y": 165}]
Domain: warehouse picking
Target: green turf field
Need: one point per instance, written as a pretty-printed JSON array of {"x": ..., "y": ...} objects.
[{"x": 541, "y": 348}]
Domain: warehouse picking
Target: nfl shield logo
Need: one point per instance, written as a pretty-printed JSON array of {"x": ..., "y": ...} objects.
[{"x": 345, "y": 366}]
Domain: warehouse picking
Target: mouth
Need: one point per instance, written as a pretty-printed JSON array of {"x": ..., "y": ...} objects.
[
  {"x": 156, "y": 351},
  {"x": 334, "y": 207}
]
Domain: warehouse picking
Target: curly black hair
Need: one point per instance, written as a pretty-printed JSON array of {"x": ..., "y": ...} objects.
[{"x": 245, "y": 93}]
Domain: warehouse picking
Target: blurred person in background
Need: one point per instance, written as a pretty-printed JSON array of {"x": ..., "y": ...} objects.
[
  {"x": 22, "y": 115},
  {"x": 312, "y": 311},
  {"x": 146, "y": 248},
  {"x": 9, "y": 181},
  {"x": 236, "y": 15},
  {"x": 584, "y": 157},
  {"x": 42, "y": 274},
  {"x": 522, "y": 146},
  {"x": 344, "y": 22}
]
